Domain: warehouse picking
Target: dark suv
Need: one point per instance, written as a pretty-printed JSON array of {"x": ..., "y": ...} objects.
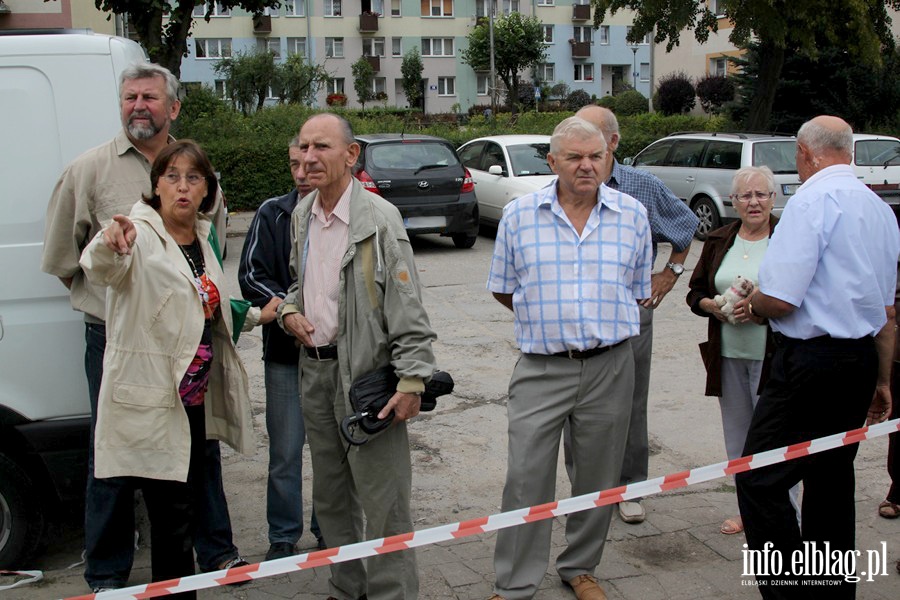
[{"x": 422, "y": 176}]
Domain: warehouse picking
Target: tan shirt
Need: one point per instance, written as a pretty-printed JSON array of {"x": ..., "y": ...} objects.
[
  {"x": 104, "y": 181},
  {"x": 328, "y": 237}
]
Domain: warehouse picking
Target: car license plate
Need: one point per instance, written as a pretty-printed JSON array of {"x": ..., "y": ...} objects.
[{"x": 424, "y": 222}]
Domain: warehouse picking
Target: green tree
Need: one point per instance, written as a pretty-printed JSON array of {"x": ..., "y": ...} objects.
[
  {"x": 518, "y": 45},
  {"x": 166, "y": 43},
  {"x": 363, "y": 75},
  {"x": 861, "y": 27},
  {"x": 248, "y": 77},
  {"x": 411, "y": 68},
  {"x": 297, "y": 81}
]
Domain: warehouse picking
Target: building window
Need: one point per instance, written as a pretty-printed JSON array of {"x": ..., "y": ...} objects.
[
  {"x": 604, "y": 34},
  {"x": 548, "y": 33},
  {"x": 213, "y": 47},
  {"x": 645, "y": 71},
  {"x": 336, "y": 85},
  {"x": 332, "y": 8},
  {"x": 546, "y": 2},
  {"x": 437, "y": 8},
  {"x": 584, "y": 72},
  {"x": 582, "y": 34},
  {"x": 396, "y": 46},
  {"x": 221, "y": 88},
  {"x": 483, "y": 8},
  {"x": 334, "y": 47},
  {"x": 296, "y": 45},
  {"x": 547, "y": 72},
  {"x": 294, "y": 8},
  {"x": 718, "y": 66},
  {"x": 510, "y": 6},
  {"x": 217, "y": 10},
  {"x": 716, "y": 8},
  {"x": 437, "y": 46},
  {"x": 395, "y": 8},
  {"x": 644, "y": 40},
  {"x": 378, "y": 85},
  {"x": 272, "y": 45},
  {"x": 482, "y": 85},
  {"x": 373, "y": 46},
  {"x": 446, "y": 86}
]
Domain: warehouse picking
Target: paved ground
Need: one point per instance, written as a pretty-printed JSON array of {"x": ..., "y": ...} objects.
[{"x": 459, "y": 455}]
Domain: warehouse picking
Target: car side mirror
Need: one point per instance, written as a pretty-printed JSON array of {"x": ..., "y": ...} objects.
[
  {"x": 627, "y": 161},
  {"x": 495, "y": 170}
]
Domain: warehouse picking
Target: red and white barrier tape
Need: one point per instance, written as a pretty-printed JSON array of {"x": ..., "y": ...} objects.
[{"x": 498, "y": 521}]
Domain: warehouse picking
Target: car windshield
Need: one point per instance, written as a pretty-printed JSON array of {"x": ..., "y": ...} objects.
[
  {"x": 780, "y": 156},
  {"x": 877, "y": 153},
  {"x": 529, "y": 159},
  {"x": 414, "y": 156}
]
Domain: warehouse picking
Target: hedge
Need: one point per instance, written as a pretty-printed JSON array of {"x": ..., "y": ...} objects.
[{"x": 250, "y": 152}]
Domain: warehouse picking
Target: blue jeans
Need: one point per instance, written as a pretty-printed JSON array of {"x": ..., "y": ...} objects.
[
  {"x": 284, "y": 424},
  {"x": 109, "y": 502}
]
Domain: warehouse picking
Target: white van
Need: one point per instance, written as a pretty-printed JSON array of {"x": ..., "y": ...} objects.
[
  {"x": 58, "y": 98},
  {"x": 876, "y": 161}
]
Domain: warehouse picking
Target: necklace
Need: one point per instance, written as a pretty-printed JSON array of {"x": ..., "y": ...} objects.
[
  {"x": 198, "y": 282},
  {"x": 745, "y": 244}
]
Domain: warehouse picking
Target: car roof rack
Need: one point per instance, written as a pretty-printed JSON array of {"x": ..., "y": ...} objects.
[
  {"x": 45, "y": 31},
  {"x": 740, "y": 136}
]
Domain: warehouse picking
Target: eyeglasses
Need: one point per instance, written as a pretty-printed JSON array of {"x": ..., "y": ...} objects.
[
  {"x": 192, "y": 178},
  {"x": 748, "y": 196}
]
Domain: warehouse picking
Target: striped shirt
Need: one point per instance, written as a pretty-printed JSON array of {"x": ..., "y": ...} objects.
[
  {"x": 327, "y": 239},
  {"x": 572, "y": 292}
]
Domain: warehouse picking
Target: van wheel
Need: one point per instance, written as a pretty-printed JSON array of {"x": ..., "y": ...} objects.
[
  {"x": 463, "y": 240},
  {"x": 21, "y": 517},
  {"x": 706, "y": 211}
]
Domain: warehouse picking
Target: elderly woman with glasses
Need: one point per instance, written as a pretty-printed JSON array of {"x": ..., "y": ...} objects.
[
  {"x": 171, "y": 375},
  {"x": 736, "y": 356}
]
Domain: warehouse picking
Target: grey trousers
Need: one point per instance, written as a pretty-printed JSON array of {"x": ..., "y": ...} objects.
[
  {"x": 375, "y": 480},
  {"x": 594, "y": 397}
]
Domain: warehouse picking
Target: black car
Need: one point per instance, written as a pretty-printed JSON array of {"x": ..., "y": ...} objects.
[{"x": 422, "y": 176}]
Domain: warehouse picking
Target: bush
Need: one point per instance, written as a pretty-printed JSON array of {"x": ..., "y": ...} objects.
[
  {"x": 630, "y": 102},
  {"x": 607, "y": 102},
  {"x": 714, "y": 92},
  {"x": 676, "y": 94},
  {"x": 576, "y": 99}
]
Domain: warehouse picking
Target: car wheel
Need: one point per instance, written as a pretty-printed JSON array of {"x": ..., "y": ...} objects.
[
  {"x": 464, "y": 240},
  {"x": 706, "y": 211},
  {"x": 21, "y": 516}
]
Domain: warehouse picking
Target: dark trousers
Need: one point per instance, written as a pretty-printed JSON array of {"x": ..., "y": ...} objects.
[
  {"x": 109, "y": 503},
  {"x": 893, "y": 460},
  {"x": 816, "y": 388}
]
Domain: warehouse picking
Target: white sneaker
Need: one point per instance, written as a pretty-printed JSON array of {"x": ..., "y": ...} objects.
[{"x": 632, "y": 511}]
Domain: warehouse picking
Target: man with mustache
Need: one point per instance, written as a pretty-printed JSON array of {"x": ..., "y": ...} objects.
[{"x": 103, "y": 182}]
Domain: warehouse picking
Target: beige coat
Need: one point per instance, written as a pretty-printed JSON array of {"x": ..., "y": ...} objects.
[{"x": 154, "y": 321}]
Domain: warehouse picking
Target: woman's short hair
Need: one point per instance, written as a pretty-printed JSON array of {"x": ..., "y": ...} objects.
[
  {"x": 199, "y": 161},
  {"x": 744, "y": 174}
]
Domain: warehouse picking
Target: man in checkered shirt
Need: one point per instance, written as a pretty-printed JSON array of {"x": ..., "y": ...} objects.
[{"x": 571, "y": 261}]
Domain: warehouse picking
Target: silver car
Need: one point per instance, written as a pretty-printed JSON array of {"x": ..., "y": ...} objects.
[{"x": 699, "y": 167}]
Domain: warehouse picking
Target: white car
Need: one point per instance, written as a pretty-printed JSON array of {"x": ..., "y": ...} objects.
[
  {"x": 505, "y": 167},
  {"x": 876, "y": 161}
]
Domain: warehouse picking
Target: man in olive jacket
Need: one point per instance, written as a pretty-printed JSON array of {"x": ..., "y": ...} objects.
[{"x": 356, "y": 307}]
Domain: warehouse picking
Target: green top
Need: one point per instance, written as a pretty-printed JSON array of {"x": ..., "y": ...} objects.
[{"x": 746, "y": 340}]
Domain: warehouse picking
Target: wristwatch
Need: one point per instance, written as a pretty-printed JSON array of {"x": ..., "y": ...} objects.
[{"x": 675, "y": 268}]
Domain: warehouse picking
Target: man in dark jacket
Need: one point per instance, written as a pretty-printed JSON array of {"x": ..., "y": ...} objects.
[{"x": 264, "y": 274}]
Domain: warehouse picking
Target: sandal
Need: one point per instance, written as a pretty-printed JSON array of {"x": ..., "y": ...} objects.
[
  {"x": 732, "y": 526},
  {"x": 888, "y": 510}
]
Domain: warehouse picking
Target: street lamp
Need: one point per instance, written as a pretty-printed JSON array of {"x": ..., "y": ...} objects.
[{"x": 634, "y": 71}]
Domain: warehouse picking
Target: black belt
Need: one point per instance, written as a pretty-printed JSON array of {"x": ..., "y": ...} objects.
[
  {"x": 783, "y": 340},
  {"x": 328, "y": 352},
  {"x": 583, "y": 354}
]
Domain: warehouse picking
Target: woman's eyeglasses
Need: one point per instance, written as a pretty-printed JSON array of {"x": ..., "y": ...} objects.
[
  {"x": 748, "y": 196},
  {"x": 192, "y": 178}
]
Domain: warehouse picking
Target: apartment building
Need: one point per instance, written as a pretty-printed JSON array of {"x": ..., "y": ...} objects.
[{"x": 335, "y": 33}]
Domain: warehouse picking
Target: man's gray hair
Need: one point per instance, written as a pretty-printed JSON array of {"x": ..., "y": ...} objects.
[
  {"x": 295, "y": 142},
  {"x": 820, "y": 139},
  {"x": 574, "y": 127},
  {"x": 149, "y": 70},
  {"x": 744, "y": 174}
]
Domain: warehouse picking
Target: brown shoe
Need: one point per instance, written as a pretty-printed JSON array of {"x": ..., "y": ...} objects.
[{"x": 586, "y": 588}]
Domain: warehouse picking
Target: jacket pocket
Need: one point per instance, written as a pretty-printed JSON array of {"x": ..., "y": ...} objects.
[{"x": 140, "y": 416}]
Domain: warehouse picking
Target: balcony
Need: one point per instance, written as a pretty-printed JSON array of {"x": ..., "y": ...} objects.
[
  {"x": 375, "y": 61},
  {"x": 262, "y": 24},
  {"x": 368, "y": 23},
  {"x": 581, "y": 12},
  {"x": 580, "y": 49}
]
